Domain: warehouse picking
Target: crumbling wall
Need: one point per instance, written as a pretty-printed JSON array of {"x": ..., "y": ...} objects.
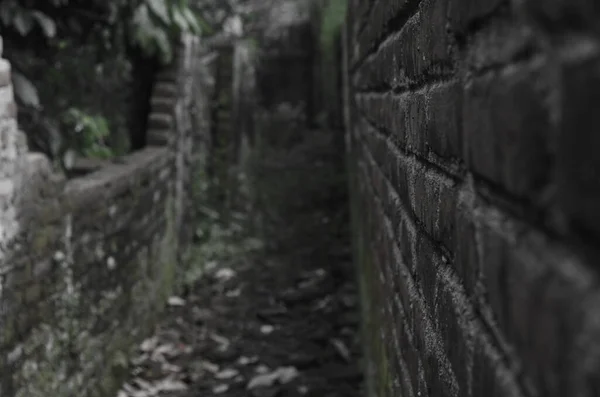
[
  {"x": 472, "y": 131},
  {"x": 87, "y": 263}
]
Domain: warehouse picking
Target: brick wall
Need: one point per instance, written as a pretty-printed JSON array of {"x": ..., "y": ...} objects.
[
  {"x": 87, "y": 263},
  {"x": 476, "y": 191}
]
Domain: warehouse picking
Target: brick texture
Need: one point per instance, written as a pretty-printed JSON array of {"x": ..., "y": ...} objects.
[
  {"x": 471, "y": 132},
  {"x": 86, "y": 264}
]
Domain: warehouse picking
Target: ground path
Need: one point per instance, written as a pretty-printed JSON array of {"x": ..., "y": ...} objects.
[{"x": 256, "y": 328}]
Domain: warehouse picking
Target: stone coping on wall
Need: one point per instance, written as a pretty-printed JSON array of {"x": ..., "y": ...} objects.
[{"x": 116, "y": 177}]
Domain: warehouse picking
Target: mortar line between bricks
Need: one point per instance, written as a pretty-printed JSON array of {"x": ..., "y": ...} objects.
[
  {"x": 401, "y": 361},
  {"x": 410, "y": 214},
  {"x": 371, "y": 54},
  {"x": 411, "y": 285},
  {"x": 493, "y": 336},
  {"x": 535, "y": 218},
  {"x": 451, "y": 281},
  {"x": 390, "y": 36},
  {"x": 404, "y": 372},
  {"x": 527, "y": 54},
  {"x": 444, "y": 170},
  {"x": 425, "y": 81},
  {"x": 432, "y": 82},
  {"x": 523, "y": 58},
  {"x": 403, "y": 14},
  {"x": 527, "y": 227}
]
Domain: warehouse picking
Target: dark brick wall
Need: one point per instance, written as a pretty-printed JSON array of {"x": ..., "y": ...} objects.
[
  {"x": 87, "y": 264},
  {"x": 476, "y": 194}
]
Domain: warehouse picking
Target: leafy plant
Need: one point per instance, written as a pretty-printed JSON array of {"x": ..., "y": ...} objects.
[
  {"x": 24, "y": 20},
  {"x": 89, "y": 133},
  {"x": 333, "y": 17},
  {"x": 153, "y": 25},
  {"x": 41, "y": 35},
  {"x": 156, "y": 22}
]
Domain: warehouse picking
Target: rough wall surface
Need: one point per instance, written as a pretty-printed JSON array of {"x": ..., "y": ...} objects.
[
  {"x": 87, "y": 263},
  {"x": 476, "y": 194}
]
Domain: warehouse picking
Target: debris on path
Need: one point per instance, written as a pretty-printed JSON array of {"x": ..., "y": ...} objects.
[{"x": 260, "y": 329}]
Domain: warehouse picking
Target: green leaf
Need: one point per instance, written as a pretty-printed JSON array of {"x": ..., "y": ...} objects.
[
  {"x": 205, "y": 27},
  {"x": 192, "y": 20},
  {"x": 46, "y": 23},
  {"x": 23, "y": 22},
  {"x": 25, "y": 90},
  {"x": 142, "y": 27},
  {"x": 164, "y": 45},
  {"x": 159, "y": 8},
  {"x": 6, "y": 12},
  {"x": 180, "y": 20}
]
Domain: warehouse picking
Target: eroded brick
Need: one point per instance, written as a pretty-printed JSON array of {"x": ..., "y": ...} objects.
[{"x": 508, "y": 128}]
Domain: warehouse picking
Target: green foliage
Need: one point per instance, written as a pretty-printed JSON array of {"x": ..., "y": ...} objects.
[
  {"x": 156, "y": 22},
  {"x": 153, "y": 25},
  {"x": 333, "y": 17},
  {"x": 69, "y": 54},
  {"x": 25, "y": 91},
  {"x": 24, "y": 19},
  {"x": 90, "y": 133}
]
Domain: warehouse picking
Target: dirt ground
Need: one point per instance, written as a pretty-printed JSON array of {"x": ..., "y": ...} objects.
[
  {"x": 282, "y": 322},
  {"x": 256, "y": 328}
]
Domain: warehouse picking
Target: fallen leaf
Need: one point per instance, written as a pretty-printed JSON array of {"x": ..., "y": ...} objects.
[
  {"x": 234, "y": 294},
  {"x": 227, "y": 374},
  {"x": 170, "y": 384},
  {"x": 247, "y": 360},
  {"x": 142, "y": 384},
  {"x": 139, "y": 360},
  {"x": 287, "y": 374},
  {"x": 167, "y": 367},
  {"x": 168, "y": 349},
  {"x": 210, "y": 266},
  {"x": 341, "y": 348},
  {"x": 220, "y": 340},
  {"x": 225, "y": 274},
  {"x": 263, "y": 380},
  {"x": 210, "y": 367},
  {"x": 267, "y": 329},
  {"x": 149, "y": 344},
  {"x": 220, "y": 389},
  {"x": 176, "y": 301},
  {"x": 282, "y": 375}
]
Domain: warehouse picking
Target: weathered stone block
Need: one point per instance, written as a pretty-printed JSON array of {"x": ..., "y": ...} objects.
[
  {"x": 490, "y": 376},
  {"x": 536, "y": 290},
  {"x": 508, "y": 128},
  {"x": 578, "y": 163},
  {"x": 443, "y": 130}
]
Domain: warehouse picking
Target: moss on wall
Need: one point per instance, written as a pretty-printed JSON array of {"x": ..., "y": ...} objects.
[{"x": 331, "y": 16}]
